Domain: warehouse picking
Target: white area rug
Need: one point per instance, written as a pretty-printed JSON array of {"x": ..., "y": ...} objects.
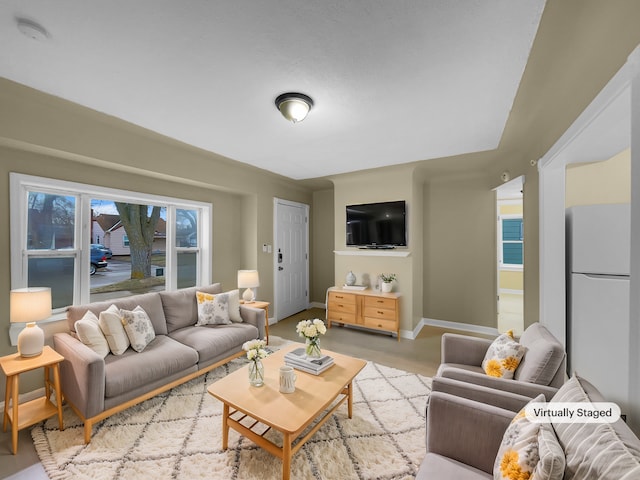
[{"x": 177, "y": 435}]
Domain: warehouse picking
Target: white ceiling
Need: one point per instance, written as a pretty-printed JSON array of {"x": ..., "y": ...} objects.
[{"x": 392, "y": 81}]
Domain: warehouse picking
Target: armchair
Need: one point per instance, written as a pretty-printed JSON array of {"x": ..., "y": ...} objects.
[{"x": 541, "y": 370}]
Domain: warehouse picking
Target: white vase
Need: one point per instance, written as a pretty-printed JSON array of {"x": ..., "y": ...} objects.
[
  {"x": 312, "y": 347},
  {"x": 386, "y": 287},
  {"x": 351, "y": 278},
  {"x": 256, "y": 373}
]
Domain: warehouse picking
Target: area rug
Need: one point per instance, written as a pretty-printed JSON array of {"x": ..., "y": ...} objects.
[{"x": 177, "y": 435}]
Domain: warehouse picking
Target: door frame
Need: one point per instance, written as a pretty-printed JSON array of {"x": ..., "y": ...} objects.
[{"x": 276, "y": 242}]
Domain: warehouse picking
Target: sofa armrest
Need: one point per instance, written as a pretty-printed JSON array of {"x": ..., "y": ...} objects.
[
  {"x": 467, "y": 431},
  {"x": 463, "y": 349},
  {"x": 82, "y": 376},
  {"x": 490, "y": 396},
  {"x": 526, "y": 389},
  {"x": 256, "y": 317}
]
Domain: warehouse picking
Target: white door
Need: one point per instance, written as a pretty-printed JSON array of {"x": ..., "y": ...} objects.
[{"x": 291, "y": 258}]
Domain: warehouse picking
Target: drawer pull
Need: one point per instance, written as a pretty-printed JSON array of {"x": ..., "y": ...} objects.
[
  {"x": 339, "y": 296},
  {"x": 380, "y": 301},
  {"x": 380, "y": 313}
]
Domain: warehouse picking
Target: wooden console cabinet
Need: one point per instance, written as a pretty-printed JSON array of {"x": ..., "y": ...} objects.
[{"x": 364, "y": 308}]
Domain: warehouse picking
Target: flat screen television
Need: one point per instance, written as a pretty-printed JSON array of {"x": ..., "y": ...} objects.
[{"x": 377, "y": 225}]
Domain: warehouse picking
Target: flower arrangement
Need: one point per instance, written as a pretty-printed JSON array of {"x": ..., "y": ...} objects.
[
  {"x": 311, "y": 331},
  {"x": 387, "y": 277},
  {"x": 255, "y": 352}
]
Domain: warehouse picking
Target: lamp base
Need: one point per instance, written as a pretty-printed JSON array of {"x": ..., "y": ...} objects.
[
  {"x": 31, "y": 340},
  {"x": 248, "y": 296}
]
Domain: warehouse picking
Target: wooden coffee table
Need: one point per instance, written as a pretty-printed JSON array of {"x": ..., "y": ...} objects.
[{"x": 315, "y": 400}]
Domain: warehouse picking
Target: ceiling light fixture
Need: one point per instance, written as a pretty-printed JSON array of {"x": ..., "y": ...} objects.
[
  {"x": 32, "y": 29},
  {"x": 294, "y": 106}
]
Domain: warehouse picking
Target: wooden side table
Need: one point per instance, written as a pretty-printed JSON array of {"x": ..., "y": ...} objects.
[
  {"x": 265, "y": 307},
  {"x": 29, "y": 413}
]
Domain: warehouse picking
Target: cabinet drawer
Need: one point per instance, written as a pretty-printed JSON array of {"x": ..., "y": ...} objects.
[
  {"x": 382, "y": 313},
  {"x": 342, "y": 317},
  {"x": 342, "y": 297},
  {"x": 380, "y": 302},
  {"x": 337, "y": 306},
  {"x": 379, "y": 323}
]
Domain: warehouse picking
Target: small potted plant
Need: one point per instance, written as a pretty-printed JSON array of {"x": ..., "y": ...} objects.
[{"x": 387, "y": 279}]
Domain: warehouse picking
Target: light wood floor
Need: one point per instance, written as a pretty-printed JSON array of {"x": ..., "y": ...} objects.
[{"x": 421, "y": 355}]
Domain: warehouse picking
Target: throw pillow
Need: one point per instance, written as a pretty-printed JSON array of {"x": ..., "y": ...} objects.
[
  {"x": 503, "y": 357},
  {"x": 518, "y": 453},
  {"x": 90, "y": 334},
  {"x": 234, "y": 306},
  {"x": 111, "y": 325},
  {"x": 213, "y": 309},
  {"x": 552, "y": 461},
  {"x": 139, "y": 328}
]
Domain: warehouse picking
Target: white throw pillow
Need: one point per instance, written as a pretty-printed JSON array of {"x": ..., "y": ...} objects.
[
  {"x": 90, "y": 334},
  {"x": 234, "y": 305},
  {"x": 111, "y": 325},
  {"x": 503, "y": 357},
  {"x": 213, "y": 309},
  {"x": 139, "y": 328}
]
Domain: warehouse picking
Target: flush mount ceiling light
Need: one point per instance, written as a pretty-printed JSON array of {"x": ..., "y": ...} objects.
[
  {"x": 32, "y": 29},
  {"x": 294, "y": 106}
]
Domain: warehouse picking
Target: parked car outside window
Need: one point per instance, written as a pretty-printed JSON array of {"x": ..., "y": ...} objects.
[
  {"x": 107, "y": 251},
  {"x": 98, "y": 259}
]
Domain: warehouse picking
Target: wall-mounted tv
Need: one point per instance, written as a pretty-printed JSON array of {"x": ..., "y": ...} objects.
[{"x": 377, "y": 225}]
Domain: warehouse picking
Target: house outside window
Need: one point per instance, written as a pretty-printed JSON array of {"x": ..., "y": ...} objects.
[
  {"x": 512, "y": 241},
  {"x": 52, "y": 227}
]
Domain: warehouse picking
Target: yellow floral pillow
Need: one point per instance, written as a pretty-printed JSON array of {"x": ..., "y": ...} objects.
[
  {"x": 503, "y": 357},
  {"x": 518, "y": 453}
]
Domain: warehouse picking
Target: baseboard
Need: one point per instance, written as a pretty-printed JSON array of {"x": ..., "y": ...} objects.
[
  {"x": 463, "y": 327},
  {"x": 317, "y": 305}
]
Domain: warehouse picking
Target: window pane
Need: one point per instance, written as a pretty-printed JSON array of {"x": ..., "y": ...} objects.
[
  {"x": 56, "y": 273},
  {"x": 187, "y": 270},
  {"x": 186, "y": 228},
  {"x": 512, "y": 229},
  {"x": 50, "y": 223},
  {"x": 512, "y": 253}
]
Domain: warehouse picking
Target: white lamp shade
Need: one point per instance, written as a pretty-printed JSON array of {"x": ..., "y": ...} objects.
[
  {"x": 248, "y": 279},
  {"x": 294, "y": 106},
  {"x": 30, "y": 305}
]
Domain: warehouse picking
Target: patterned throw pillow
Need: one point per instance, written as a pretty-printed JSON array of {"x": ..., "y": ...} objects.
[
  {"x": 234, "y": 306},
  {"x": 518, "y": 454},
  {"x": 213, "y": 309},
  {"x": 139, "y": 328},
  {"x": 111, "y": 325},
  {"x": 90, "y": 334},
  {"x": 503, "y": 357}
]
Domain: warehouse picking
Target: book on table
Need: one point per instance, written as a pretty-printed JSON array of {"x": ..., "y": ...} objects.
[{"x": 298, "y": 359}]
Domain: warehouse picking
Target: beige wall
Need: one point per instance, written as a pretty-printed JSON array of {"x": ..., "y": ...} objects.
[
  {"x": 600, "y": 182},
  {"x": 322, "y": 237},
  {"x": 45, "y": 136}
]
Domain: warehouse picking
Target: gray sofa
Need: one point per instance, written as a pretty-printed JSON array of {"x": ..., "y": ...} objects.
[
  {"x": 97, "y": 387},
  {"x": 464, "y": 437}
]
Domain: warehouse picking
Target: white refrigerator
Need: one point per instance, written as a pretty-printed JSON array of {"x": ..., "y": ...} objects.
[{"x": 598, "y": 257}]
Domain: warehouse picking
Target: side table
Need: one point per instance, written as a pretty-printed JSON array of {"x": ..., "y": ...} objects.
[
  {"x": 265, "y": 307},
  {"x": 29, "y": 413}
]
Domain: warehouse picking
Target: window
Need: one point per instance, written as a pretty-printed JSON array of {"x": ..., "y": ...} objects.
[
  {"x": 54, "y": 222},
  {"x": 512, "y": 236}
]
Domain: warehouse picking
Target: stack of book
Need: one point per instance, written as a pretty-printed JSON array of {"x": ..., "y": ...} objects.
[{"x": 299, "y": 360}]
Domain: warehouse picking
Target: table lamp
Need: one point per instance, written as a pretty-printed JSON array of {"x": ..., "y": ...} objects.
[
  {"x": 28, "y": 305},
  {"x": 248, "y": 279}
]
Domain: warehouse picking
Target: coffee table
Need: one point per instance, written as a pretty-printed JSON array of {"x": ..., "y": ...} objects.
[{"x": 264, "y": 408}]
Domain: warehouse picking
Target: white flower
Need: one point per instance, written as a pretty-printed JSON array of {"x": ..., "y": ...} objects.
[
  {"x": 311, "y": 328},
  {"x": 255, "y": 349}
]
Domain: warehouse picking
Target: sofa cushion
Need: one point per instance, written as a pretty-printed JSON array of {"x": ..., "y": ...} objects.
[
  {"x": 543, "y": 357},
  {"x": 138, "y": 326},
  {"x": 160, "y": 359},
  {"x": 212, "y": 341},
  {"x": 502, "y": 357},
  {"x": 518, "y": 454},
  {"x": 111, "y": 325},
  {"x": 595, "y": 450},
  {"x": 213, "y": 309},
  {"x": 180, "y": 307},
  {"x": 91, "y": 335},
  {"x": 149, "y": 301},
  {"x": 552, "y": 462}
]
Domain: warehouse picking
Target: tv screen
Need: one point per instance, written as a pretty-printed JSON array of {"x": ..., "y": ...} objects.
[{"x": 377, "y": 225}]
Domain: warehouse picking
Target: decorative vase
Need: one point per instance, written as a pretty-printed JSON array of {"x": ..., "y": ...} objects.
[
  {"x": 387, "y": 287},
  {"x": 351, "y": 278},
  {"x": 312, "y": 347},
  {"x": 256, "y": 373}
]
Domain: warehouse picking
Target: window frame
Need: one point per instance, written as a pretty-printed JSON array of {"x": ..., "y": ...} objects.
[{"x": 21, "y": 184}]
